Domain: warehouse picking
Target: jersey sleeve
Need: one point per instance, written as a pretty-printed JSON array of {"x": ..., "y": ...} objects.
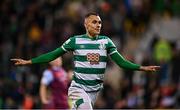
[
  {"x": 44, "y": 58},
  {"x": 122, "y": 62},
  {"x": 47, "y": 77},
  {"x": 69, "y": 44},
  {"x": 111, "y": 48}
]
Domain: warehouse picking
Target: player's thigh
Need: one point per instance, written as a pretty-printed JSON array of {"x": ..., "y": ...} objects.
[
  {"x": 93, "y": 96},
  {"x": 79, "y": 98}
]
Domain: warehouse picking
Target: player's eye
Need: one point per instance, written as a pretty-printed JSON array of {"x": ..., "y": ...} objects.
[{"x": 94, "y": 21}]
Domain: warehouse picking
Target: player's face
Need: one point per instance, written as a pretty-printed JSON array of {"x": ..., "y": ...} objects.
[{"x": 93, "y": 25}]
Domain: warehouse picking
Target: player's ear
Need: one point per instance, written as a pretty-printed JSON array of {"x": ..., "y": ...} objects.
[{"x": 85, "y": 23}]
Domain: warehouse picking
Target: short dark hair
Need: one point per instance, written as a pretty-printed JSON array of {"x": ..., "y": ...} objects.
[{"x": 91, "y": 13}]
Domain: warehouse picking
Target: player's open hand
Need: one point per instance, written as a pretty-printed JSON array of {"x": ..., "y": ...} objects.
[
  {"x": 20, "y": 61},
  {"x": 150, "y": 68}
]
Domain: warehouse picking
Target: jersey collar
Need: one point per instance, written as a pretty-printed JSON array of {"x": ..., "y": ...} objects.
[{"x": 92, "y": 38}]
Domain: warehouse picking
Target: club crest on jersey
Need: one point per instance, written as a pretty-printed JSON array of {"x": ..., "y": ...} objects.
[{"x": 102, "y": 46}]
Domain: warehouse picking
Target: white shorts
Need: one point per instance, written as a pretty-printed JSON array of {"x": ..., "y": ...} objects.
[{"x": 78, "y": 97}]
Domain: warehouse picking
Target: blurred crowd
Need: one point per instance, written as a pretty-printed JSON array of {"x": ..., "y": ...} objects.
[{"x": 144, "y": 31}]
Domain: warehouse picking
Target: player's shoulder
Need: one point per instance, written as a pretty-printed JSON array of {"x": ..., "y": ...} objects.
[
  {"x": 73, "y": 37},
  {"x": 78, "y": 36},
  {"x": 47, "y": 72}
]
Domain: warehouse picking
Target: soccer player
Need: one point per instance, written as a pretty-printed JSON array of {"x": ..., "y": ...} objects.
[
  {"x": 90, "y": 52},
  {"x": 56, "y": 79}
]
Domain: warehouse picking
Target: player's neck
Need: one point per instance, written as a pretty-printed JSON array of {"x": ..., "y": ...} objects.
[{"x": 91, "y": 35}]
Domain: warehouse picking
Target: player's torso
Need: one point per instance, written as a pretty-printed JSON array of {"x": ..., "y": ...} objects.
[
  {"x": 90, "y": 57},
  {"x": 90, "y": 53}
]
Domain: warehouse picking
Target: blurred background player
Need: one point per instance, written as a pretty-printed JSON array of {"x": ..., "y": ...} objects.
[{"x": 57, "y": 80}]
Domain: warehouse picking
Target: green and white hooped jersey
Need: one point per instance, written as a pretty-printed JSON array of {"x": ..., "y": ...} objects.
[{"x": 90, "y": 59}]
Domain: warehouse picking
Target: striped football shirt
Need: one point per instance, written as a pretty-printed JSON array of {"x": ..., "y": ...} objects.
[{"x": 90, "y": 59}]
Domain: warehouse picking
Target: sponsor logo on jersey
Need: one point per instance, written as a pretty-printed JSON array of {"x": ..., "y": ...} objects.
[{"x": 93, "y": 58}]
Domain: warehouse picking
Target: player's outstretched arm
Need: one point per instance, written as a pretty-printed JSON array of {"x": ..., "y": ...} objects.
[
  {"x": 44, "y": 58},
  {"x": 122, "y": 62},
  {"x": 21, "y": 61}
]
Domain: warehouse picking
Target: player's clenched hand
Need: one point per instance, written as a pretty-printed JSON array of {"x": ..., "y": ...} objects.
[
  {"x": 150, "y": 68},
  {"x": 21, "y": 61}
]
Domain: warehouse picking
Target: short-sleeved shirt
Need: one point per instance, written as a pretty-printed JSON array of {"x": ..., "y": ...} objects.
[{"x": 48, "y": 77}]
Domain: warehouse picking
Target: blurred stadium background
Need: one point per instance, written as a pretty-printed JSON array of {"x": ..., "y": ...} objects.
[{"x": 145, "y": 31}]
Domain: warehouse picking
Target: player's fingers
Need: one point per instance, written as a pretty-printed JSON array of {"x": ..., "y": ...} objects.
[
  {"x": 151, "y": 70},
  {"x": 154, "y": 70},
  {"x": 157, "y": 67},
  {"x": 14, "y": 59},
  {"x": 17, "y": 63}
]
